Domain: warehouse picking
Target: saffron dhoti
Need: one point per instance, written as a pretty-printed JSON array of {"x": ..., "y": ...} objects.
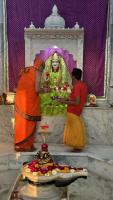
[{"x": 74, "y": 132}]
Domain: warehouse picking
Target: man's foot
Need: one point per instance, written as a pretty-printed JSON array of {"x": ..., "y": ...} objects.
[
  {"x": 19, "y": 149},
  {"x": 77, "y": 150}
]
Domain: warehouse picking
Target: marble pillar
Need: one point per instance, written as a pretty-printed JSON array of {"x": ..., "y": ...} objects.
[{"x": 1, "y": 47}]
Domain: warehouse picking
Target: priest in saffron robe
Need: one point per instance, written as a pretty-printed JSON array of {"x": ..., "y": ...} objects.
[{"x": 27, "y": 106}]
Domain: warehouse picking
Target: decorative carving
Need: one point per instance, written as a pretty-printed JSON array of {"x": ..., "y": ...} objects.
[
  {"x": 54, "y": 34},
  {"x": 32, "y": 26},
  {"x": 76, "y": 26}
]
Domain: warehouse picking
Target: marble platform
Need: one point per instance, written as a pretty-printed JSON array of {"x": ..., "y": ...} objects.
[
  {"x": 98, "y": 122},
  {"x": 98, "y": 159}
]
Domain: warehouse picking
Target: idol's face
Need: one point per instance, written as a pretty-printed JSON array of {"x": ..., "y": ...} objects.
[{"x": 55, "y": 64}]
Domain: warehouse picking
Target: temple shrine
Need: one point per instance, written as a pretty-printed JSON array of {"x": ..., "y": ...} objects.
[{"x": 62, "y": 36}]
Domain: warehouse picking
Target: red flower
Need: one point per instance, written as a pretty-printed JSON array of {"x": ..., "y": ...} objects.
[
  {"x": 65, "y": 88},
  {"x": 44, "y": 127},
  {"x": 66, "y": 84},
  {"x": 47, "y": 74},
  {"x": 44, "y": 170},
  {"x": 33, "y": 169},
  {"x": 34, "y": 162},
  {"x": 60, "y": 167},
  {"x": 50, "y": 168}
]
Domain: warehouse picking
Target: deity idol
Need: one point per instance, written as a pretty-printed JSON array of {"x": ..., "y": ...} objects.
[
  {"x": 56, "y": 77},
  {"x": 56, "y": 73}
]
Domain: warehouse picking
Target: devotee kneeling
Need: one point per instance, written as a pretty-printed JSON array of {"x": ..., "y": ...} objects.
[
  {"x": 27, "y": 106},
  {"x": 74, "y": 131}
]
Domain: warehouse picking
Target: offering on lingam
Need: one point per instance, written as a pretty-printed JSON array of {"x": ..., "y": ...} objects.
[
  {"x": 42, "y": 177},
  {"x": 44, "y": 169}
]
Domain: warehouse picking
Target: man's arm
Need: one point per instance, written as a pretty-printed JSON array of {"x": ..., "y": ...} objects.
[
  {"x": 76, "y": 101},
  {"x": 38, "y": 87},
  {"x": 37, "y": 81}
]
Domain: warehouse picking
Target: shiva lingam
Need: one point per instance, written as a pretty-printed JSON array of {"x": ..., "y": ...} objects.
[{"x": 45, "y": 177}]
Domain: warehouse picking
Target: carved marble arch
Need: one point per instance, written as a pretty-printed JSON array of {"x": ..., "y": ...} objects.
[{"x": 67, "y": 61}]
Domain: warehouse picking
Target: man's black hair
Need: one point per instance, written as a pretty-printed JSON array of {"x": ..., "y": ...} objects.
[{"x": 77, "y": 73}]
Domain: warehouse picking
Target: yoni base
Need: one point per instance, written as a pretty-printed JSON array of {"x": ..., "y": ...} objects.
[{"x": 34, "y": 192}]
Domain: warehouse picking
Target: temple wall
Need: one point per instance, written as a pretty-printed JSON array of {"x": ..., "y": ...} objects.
[
  {"x": 110, "y": 93},
  {"x": 98, "y": 121},
  {"x": 1, "y": 47}
]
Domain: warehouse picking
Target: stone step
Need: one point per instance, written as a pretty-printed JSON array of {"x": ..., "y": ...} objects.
[{"x": 96, "y": 158}]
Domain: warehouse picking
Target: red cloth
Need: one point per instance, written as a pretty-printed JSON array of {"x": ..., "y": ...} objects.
[{"x": 79, "y": 90}]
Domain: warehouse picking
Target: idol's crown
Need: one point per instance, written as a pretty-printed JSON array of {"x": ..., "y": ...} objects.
[{"x": 55, "y": 56}]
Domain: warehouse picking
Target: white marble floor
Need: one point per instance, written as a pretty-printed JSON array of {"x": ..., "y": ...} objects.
[
  {"x": 100, "y": 151},
  {"x": 98, "y": 159}
]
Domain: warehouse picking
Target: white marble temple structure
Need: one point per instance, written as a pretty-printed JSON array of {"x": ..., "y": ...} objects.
[
  {"x": 39, "y": 39},
  {"x": 2, "y": 51},
  {"x": 54, "y": 34},
  {"x": 98, "y": 154}
]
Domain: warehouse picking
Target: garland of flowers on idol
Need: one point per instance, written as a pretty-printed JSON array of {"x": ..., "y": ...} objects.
[{"x": 61, "y": 91}]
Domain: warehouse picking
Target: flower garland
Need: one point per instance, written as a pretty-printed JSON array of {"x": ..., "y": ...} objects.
[{"x": 51, "y": 107}]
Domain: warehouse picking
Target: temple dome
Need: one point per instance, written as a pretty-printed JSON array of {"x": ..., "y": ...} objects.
[{"x": 54, "y": 20}]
